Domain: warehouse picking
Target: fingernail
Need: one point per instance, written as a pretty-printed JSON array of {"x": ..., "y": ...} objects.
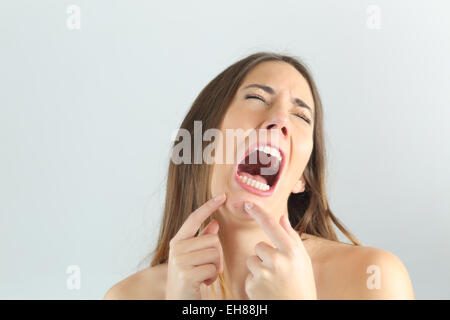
[
  {"x": 248, "y": 206},
  {"x": 219, "y": 197}
]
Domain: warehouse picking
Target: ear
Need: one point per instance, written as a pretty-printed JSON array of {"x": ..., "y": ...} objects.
[{"x": 299, "y": 186}]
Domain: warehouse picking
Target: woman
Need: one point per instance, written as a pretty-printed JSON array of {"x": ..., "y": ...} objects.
[{"x": 263, "y": 236}]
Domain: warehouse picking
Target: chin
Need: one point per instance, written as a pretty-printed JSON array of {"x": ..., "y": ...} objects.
[{"x": 236, "y": 196}]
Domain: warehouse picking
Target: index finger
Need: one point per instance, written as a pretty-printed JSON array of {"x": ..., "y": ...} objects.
[
  {"x": 196, "y": 218},
  {"x": 274, "y": 230}
]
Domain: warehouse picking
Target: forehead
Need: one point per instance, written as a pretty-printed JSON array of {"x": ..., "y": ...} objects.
[{"x": 281, "y": 76}]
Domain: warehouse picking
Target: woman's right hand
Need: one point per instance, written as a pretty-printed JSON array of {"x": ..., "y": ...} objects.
[{"x": 195, "y": 260}]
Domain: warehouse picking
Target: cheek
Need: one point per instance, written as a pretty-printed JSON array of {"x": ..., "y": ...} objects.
[
  {"x": 241, "y": 116},
  {"x": 217, "y": 179},
  {"x": 230, "y": 118},
  {"x": 300, "y": 157},
  {"x": 221, "y": 169},
  {"x": 303, "y": 143}
]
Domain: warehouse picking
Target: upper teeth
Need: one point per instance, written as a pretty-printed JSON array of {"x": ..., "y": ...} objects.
[{"x": 269, "y": 150}]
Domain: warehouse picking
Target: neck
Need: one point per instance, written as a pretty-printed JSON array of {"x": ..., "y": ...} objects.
[
  {"x": 238, "y": 247},
  {"x": 238, "y": 239}
]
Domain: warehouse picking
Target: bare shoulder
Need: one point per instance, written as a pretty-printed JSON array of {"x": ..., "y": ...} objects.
[
  {"x": 378, "y": 274},
  {"x": 360, "y": 272},
  {"x": 147, "y": 284}
]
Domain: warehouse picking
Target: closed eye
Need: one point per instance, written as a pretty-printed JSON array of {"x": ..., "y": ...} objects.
[
  {"x": 299, "y": 115},
  {"x": 302, "y": 117},
  {"x": 249, "y": 96}
]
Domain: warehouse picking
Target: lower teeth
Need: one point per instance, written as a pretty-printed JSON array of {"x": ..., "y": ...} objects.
[{"x": 255, "y": 184}]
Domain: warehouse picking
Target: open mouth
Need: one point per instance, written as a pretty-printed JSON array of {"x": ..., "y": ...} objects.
[{"x": 260, "y": 169}]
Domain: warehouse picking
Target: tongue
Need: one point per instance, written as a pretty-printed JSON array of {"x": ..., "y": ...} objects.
[{"x": 256, "y": 177}]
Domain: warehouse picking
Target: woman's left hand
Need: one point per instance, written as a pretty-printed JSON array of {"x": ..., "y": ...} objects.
[{"x": 284, "y": 272}]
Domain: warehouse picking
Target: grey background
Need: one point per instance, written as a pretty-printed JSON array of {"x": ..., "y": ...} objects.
[{"x": 86, "y": 117}]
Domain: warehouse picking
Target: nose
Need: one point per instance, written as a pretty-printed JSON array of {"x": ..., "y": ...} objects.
[{"x": 278, "y": 122}]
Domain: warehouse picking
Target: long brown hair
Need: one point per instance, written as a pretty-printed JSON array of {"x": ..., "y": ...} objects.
[{"x": 188, "y": 185}]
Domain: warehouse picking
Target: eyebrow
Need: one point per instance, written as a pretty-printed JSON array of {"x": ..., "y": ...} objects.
[{"x": 270, "y": 90}]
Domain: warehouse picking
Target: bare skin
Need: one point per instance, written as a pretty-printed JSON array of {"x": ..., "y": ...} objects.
[
  {"x": 339, "y": 270},
  {"x": 326, "y": 269}
]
